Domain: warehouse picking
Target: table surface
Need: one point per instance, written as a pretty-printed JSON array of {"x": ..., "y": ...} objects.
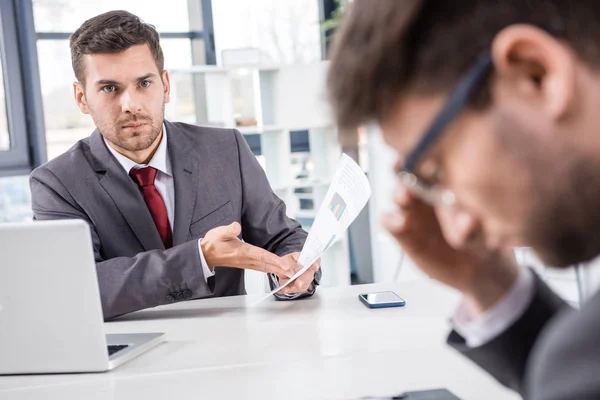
[{"x": 329, "y": 346}]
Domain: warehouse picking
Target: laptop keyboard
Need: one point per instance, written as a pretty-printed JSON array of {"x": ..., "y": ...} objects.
[{"x": 112, "y": 349}]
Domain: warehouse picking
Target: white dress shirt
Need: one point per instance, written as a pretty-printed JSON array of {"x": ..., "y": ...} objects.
[
  {"x": 164, "y": 184},
  {"x": 496, "y": 320}
]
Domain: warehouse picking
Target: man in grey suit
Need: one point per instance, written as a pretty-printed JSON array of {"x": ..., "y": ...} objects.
[
  {"x": 176, "y": 211},
  {"x": 493, "y": 109}
]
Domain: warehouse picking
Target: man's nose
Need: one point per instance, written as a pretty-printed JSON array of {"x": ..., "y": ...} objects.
[{"x": 130, "y": 102}]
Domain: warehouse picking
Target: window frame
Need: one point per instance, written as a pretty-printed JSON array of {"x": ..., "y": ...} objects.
[{"x": 17, "y": 159}]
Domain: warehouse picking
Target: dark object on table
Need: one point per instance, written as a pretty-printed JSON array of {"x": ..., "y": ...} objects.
[{"x": 435, "y": 394}]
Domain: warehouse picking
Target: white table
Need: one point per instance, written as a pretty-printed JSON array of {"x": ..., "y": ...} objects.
[{"x": 327, "y": 347}]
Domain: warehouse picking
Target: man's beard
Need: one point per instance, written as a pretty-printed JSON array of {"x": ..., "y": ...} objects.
[
  {"x": 139, "y": 145},
  {"x": 124, "y": 141},
  {"x": 564, "y": 227}
]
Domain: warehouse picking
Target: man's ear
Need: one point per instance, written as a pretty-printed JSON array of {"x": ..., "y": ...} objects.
[
  {"x": 537, "y": 66},
  {"x": 167, "y": 85},
  {"x": 79, "y": 93}
]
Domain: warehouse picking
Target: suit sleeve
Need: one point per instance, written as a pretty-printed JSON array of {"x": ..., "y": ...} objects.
[
  {"x": 126, "y": 284},
  {"x": 506, "y": 356},
  {"x": 264, "y": 220}
]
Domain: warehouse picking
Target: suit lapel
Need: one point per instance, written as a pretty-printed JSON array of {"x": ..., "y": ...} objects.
[
  {"x": 186, "y": 177},
  {"x": 197, "y": 171},
  {"x": 125, "y": 194}
]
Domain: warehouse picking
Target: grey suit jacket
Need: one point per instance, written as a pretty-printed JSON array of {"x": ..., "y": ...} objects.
[
  {"x": 217, "y": 181},
  {"x": 552, "y": 352}
]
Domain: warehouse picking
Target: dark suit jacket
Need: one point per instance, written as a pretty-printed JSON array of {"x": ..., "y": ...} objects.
[
  {"x": 217, "y": 181},
  {"x": 552, "y": 352}
]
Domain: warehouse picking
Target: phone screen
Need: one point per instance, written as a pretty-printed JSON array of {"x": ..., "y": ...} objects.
[{"x": 382, "y": 297}]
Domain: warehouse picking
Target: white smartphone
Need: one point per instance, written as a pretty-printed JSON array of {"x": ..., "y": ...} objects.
[{"x": 381, "y": 300}]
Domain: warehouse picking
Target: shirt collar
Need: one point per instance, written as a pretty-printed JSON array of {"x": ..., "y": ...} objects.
[{"x": 160, "y": 160}]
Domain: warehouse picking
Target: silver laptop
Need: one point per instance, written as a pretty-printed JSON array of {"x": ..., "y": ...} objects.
[{"x": 50, "y": 312}]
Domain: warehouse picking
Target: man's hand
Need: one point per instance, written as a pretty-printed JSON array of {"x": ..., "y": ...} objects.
[
  {"x": 222, "y": 247},
  {"x": 482, "y": 275},
  {"x": 302, "y": 283}
]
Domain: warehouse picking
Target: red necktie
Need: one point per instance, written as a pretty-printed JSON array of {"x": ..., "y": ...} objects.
[{"x": 156, "y": 205}]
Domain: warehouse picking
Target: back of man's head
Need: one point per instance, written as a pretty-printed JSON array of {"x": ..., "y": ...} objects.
[
  {"x": 112, "y": 32},
  {"x": 384, "y": 47}
]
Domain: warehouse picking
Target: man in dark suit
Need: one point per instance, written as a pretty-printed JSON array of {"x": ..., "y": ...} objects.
[
  {"x": 492, "y": 107},
  {"x": 176, "y": 211}
]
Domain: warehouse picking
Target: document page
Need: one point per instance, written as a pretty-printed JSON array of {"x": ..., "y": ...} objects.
[{"x": 347, "y": 195}]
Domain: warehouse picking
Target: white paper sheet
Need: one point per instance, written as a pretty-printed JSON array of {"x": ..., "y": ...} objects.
[{"x": 347, "y": 195}]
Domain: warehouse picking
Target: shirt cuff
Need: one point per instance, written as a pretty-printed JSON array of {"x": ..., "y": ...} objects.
[
  {"x": 205, "y": 268},
  {"x": 499, "y": 317}
]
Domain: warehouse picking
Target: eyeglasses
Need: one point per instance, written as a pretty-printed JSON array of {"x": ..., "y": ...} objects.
[{"x": 431, "y": 192}]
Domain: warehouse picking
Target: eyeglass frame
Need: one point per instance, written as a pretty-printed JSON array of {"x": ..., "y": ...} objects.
[{"x": 455, "y": 104}]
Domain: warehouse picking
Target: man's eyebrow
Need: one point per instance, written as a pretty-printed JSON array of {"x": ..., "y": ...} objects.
[
  {"x": 113, "y": 82},
  {"x": 149, "y": 75},
  {"x": 106, "y": 82}
]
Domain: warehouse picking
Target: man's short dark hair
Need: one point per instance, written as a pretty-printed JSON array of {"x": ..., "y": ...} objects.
[
  {"x": 384, "y": 47},
  {"x": 112, "y": 32}
]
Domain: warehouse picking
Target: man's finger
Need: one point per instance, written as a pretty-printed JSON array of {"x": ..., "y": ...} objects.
[
  {"x": 401, "y": 196},
  {"x": 301, "y": 284},
  {"x": 262, "y": 260},
  {"x": 308, "y": 277},
  {"x": 297, "y": 285},
  {"x": 315, "y": 267},
  {"x": 293, "y": 287},
  {"x": 289, "y": 288},
  {"x": 291, "y": 262},
  {"x": 264, "y": 257},
  {"x": 227, "y": 231},
  {"x": 280, "y": 269},
  {"x": 275, "y": 265},
  {"x": 394, "y": 223}
]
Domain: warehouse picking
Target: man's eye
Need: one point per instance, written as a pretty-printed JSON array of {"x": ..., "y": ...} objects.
[
  {"x": 145, "y": 83},
  {"x": 109, "y": 88}
]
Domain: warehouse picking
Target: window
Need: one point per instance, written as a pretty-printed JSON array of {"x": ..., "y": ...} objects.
[
  {"x": 182, "y": 36},
  {"x": 68, "y": 15},
  {"x": 15, "y": 199},
  {"x": 15, "y": 149},
  {"x": 285, "y": 31}
]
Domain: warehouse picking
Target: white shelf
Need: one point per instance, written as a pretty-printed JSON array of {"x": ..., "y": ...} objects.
[
  {"x": 280, "y": 188},
  {"x": 275, "y": 128},
  {"x": 252, "y": 130},
  {"x": 213, "y": 69},
  {"x": 306, "y": 214},
  {"x": 305, "y": 183}
]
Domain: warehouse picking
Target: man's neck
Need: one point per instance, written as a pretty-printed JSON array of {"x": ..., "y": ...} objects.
[{"x": 142, "y": 156}]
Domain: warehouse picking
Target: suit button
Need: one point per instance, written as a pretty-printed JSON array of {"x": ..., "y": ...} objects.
[
  {"x": 187, "y": 294},
  {"x": 179, "y": 296},
  {"x": 170, "y": 298}
]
